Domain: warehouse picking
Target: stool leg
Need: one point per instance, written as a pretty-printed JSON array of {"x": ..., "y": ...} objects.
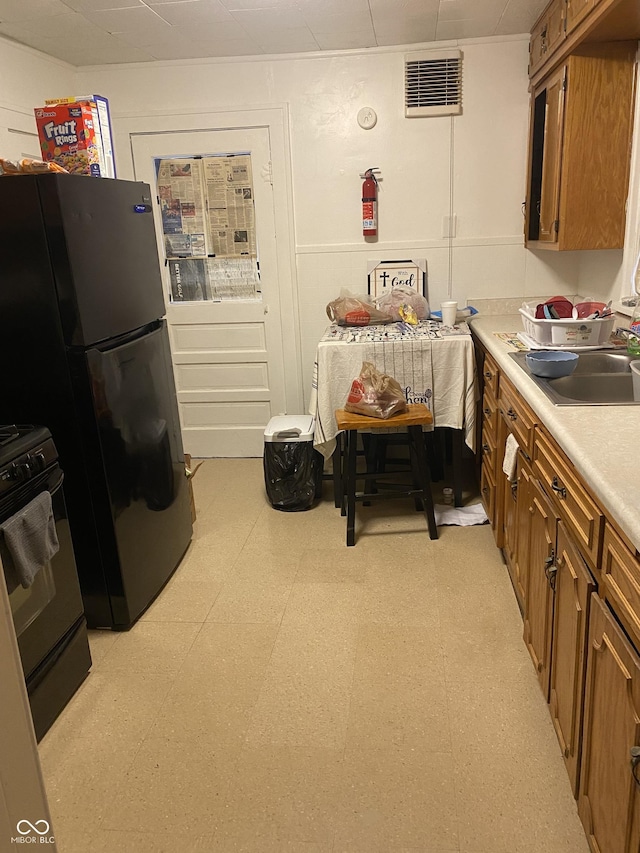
[
  {"x": 415, "y": 464},
  {"x": 371, "y": 458},
  {"x": 350, "y": 485},
  {"x": 417, "y": 439},
  {"x": 336, "y": 463},
  {"x": 456, "y": 453}
]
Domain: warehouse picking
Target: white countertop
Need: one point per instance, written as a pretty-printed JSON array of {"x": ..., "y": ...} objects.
[{"x": 599, "y": 440}]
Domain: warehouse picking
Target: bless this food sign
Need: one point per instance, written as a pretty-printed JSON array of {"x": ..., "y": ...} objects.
[{"x": 385, "y": 275}]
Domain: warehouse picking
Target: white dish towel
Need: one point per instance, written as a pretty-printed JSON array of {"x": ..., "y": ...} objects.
[{"x": 510, "y": 457}]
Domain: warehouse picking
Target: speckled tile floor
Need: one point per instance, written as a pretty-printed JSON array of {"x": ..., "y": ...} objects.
[{"x": 285, "y": 694}]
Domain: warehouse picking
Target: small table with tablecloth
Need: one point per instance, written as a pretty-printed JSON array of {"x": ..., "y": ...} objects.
[{"x": 433, "y": 365}]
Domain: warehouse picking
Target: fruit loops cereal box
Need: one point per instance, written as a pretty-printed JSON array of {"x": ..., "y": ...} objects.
[{"x": 67, "y": 136}]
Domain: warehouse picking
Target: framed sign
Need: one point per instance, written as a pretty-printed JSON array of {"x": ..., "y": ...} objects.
[{"x": 383, "y": 276}]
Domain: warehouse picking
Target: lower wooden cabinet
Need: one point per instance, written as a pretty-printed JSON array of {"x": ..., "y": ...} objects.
[
  {"x": 538, "y": 609},
  {"x": 572, "y": 596},
  {"x": 558, "y": 546},
  {"x": 520, "y": 568},
  {"x": 609, "y": 799},
  {"x": 488, "y": 494}
]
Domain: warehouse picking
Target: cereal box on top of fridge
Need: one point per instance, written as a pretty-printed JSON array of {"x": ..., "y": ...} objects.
[
  {"x": 102, "y": 124},
  {"x": 67, "y": 136}
]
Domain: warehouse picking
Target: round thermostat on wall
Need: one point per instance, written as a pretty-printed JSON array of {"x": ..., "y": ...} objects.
[{"x": 367, "y": 118}]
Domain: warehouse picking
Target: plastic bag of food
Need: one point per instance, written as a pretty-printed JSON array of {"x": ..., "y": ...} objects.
[
  {"x": 400, "y": 296},
  {"x": 375, "y": 394},
  {"x": 351, "y": 310},
  {"x": 27, "y": 166}
]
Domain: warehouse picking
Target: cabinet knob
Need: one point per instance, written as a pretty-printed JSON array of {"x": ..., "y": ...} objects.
[
  {"x": 511, "y": 414},
  {"x": 557, "y": 487},
  {"x": 488, "y": 375},
  {"x": 486, "y": 448}
]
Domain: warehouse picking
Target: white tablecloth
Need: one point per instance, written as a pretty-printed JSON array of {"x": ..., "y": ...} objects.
[{"x": 438, "y": 372}]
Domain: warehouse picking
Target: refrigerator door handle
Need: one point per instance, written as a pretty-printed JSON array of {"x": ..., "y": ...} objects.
[{"x": 128, "y": 338}]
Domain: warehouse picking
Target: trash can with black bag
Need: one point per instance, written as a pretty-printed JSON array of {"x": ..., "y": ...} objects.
[{"x": 292, "y": 468}]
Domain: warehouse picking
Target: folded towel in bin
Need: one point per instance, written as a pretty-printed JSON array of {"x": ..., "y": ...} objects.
[{"x": 30, "y": 541}]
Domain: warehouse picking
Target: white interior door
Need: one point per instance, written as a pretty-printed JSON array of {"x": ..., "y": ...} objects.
[{"x": 228, "y": 356}]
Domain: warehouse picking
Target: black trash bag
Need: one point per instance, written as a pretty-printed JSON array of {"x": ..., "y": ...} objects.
[{"x": 292, "y": 474}]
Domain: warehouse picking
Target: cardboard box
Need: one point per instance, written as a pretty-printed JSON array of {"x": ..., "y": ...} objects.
[
  {"x": 102, "y": 124},
  {"x": 190, "y": 473},
  {"x": 68, "y": 137}
]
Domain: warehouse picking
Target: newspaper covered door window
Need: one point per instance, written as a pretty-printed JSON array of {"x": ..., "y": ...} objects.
[
  {"x": 208, "y": 224},
  {"x": 214, "y": 192}
]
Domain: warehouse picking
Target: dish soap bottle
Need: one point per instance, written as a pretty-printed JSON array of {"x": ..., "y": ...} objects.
[{"x": 633, "y": 341}]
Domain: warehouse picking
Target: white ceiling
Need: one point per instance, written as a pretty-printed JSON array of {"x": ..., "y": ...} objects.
[{"x": 95, "y": 32}]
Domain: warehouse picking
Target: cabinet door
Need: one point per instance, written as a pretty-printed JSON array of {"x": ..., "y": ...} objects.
[
  {"x": 577, "y": 11},
  {"x": 546, "y": 34},
  {"x": 573, "y": 588},
  {"x": 556, "y": 27},
  {"x": 552, "y": 156},
  {"x": 609, "y": 801},
  {"x": 538, "y": 610},
  {"x": 523, "y": 525},
  {"x": 488, "y": 495}
]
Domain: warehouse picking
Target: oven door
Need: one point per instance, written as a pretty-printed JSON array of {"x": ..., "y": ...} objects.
[{"x": 45, "y": 612}]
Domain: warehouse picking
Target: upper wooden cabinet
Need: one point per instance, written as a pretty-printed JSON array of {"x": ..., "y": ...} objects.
[
  {"x": 579, "y": 150},
  {"x": 565, "y": 25},
  {"x": 546, "y": 35},
  {"x": 577, "y": 11}
]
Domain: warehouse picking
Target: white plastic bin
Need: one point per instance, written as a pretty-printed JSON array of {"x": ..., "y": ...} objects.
[
  {"x": 292, "y": 468},
  {"x": 567, "y": 333}
]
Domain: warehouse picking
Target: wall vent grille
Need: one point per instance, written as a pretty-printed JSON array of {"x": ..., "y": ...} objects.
[{"x": 433, "y": 83}]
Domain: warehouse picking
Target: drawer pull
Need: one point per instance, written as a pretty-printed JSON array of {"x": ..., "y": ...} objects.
[
  {"x": 487, "y": 411},
  {"x": 511, "y": 414},
  {"x": 488, "y": 375},
  {"x": 486, "y": 448},
  {"x": 635, "y": 760},
  {"x": 557, "y": 486},
  {"x": 551, "y": 570}
]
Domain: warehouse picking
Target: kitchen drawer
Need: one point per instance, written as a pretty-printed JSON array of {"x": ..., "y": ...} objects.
[
  {"x": 490, "y": 375},
  {"x": 488, "y": 493},
  {"x": 488, "y": 450},
  {"x": 489, "y": 414},
  {"x": 620, "y": 581},
  {"x": 518, "y": 417},
  {"x": 580, "y": 512}
]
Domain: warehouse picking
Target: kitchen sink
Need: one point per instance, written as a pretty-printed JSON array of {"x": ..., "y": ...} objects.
[{"x": 600, "y": 379}]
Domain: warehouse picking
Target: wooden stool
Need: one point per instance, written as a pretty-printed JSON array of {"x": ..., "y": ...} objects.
[{"x": 417, "y": 416}]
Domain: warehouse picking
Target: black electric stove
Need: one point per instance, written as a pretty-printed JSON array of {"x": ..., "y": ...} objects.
[{"x": 48, "y": 614}]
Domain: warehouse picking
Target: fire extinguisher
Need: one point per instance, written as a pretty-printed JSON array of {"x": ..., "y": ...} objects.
[{"x": 370, "y": 204}]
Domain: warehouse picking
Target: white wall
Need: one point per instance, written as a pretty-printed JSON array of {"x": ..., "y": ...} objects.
[
  {"x": 27, "y": 78},
  {"x": 472, "y": 165},
  {"x": 485, "y": 182}
]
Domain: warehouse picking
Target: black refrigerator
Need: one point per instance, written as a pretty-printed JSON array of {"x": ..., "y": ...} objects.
[{"x": 85, "y": 352}]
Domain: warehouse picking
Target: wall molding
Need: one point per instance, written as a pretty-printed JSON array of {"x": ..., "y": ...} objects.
[{"x": 407, "y": 245}]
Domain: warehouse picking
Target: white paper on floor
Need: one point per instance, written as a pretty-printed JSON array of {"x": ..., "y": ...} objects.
[{"x": 462, "y": 516}]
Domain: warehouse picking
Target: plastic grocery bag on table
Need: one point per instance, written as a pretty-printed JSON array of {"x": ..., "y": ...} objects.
[
  {"x": 351, "y": 310},
  {"x": 375, "y": 394},
  {"x": 401, "y": 296}
]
